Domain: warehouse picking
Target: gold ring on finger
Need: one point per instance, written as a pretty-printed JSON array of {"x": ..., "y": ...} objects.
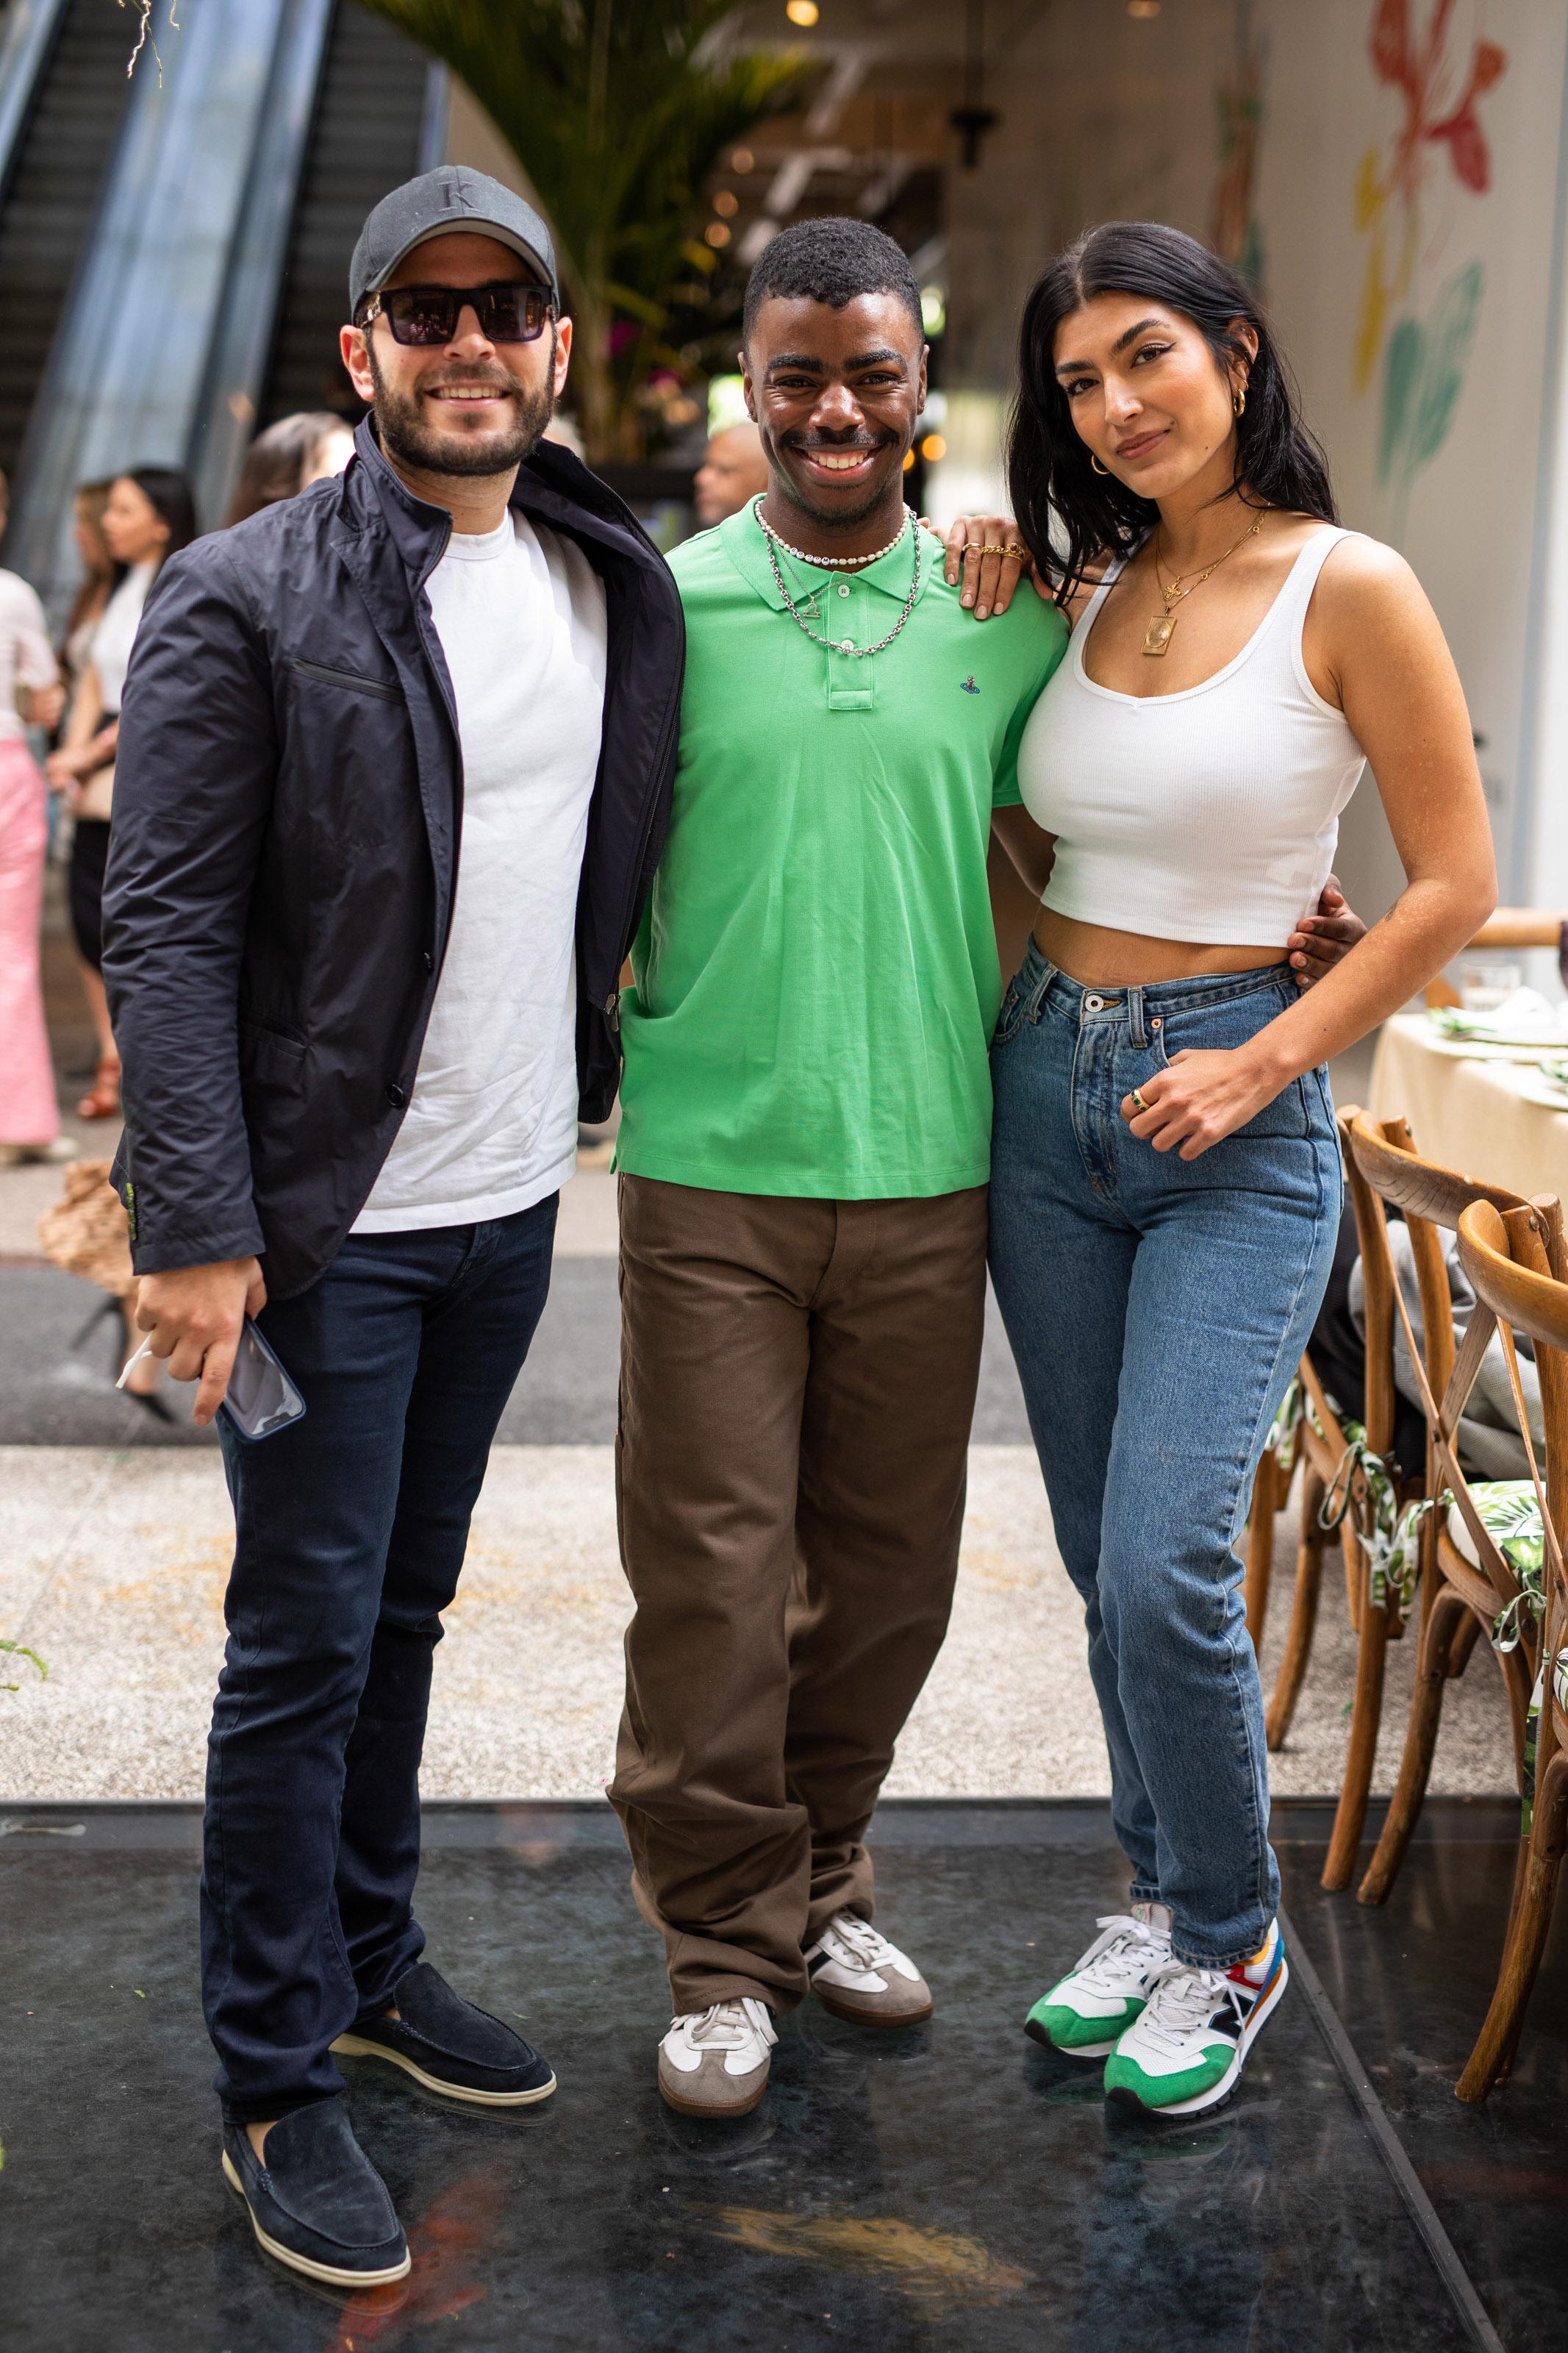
[{"x": 1138, "y": 1102}]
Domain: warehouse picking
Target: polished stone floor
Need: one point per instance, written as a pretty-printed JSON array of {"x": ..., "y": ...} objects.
[{"x": 949, "y": 2189}]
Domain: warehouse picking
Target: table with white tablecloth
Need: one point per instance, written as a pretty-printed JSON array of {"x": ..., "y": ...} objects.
[{"x": 1477, "y": 1109}]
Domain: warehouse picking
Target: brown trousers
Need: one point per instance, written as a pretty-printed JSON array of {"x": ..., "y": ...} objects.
[{"x": 797, "y": 1383}]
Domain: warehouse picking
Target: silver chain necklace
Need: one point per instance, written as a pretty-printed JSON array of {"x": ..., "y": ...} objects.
[
  {"x": 843, "y": 644},
  {"x": 831, "y": 563}
]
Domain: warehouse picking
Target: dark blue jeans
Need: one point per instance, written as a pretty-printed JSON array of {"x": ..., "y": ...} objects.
[{"x": 350, "y": 1529}]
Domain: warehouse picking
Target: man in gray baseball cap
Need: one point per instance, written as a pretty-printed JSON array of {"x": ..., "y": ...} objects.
[
  {"x": 450, "y": 399},
  {"x": 352, "y": 1094},
  {"x": 455, "y": 197}
]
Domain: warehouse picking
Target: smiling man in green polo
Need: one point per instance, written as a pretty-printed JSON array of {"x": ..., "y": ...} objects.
[
  {"x": 818, "y": 981},
  {"x": 805, "y": 1150}
]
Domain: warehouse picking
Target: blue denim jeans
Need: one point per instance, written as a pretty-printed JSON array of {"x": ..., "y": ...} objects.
[
  {"x": 350, "y": 1530},
  {"x": 1157, "y": 1309}
]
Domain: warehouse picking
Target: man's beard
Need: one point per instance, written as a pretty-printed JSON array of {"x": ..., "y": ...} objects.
[{"x": 406, "y": 435}]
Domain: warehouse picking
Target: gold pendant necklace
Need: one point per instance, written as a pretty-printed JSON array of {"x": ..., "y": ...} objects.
[{"x": 1162, "y": 626}]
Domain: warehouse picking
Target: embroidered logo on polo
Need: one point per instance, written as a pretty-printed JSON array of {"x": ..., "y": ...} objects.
[{"x": 968, "y": 686}]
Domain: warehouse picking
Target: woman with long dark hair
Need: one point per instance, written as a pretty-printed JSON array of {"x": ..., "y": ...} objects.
[
  {"x": 99, "y": 580},
  {"x": 287, "y": 458},
  {"x": 1165, "y": 1177},
  {"x": 147, "y": 517}
]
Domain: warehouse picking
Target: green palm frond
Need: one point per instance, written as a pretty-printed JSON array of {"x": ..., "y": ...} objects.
[
  {"x": 1510, "y": 1514},
  {"x": 618, "y": 115}
]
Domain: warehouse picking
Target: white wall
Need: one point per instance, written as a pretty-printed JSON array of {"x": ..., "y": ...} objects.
[
  {"x": 1474, "y": 518},
  {"x": 1103, "y": 116}
]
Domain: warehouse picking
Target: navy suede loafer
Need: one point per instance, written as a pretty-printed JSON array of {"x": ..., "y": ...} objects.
[
  {"x": 447, "y": 2045},
  {"x": 317, "y": 2203}
]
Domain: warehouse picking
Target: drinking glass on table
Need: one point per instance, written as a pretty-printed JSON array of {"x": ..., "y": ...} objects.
[{"x": 1485, "y": 983}]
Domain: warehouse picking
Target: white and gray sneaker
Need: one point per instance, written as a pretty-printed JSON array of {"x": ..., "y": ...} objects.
[
  {"x": 1104, "y": 1992},
  {"x": 857, "y": 1974},
  {"x": 715, "y": 2062}
]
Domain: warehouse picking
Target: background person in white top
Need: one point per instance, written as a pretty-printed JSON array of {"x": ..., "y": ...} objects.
[
  {"x": 1165, "y": 1174},
  {"x": 148, "y": 516},
  {"x": 394, "y": 760}
]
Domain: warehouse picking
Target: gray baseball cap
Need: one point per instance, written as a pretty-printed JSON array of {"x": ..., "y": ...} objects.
[{"x": 454, "y": 197}]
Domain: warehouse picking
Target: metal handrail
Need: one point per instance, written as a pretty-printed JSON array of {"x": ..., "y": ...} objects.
[{"x": 25, "y": 43}]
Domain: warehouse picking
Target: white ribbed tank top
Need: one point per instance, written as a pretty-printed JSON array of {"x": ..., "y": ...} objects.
[{"x": 1211, "y": 814}]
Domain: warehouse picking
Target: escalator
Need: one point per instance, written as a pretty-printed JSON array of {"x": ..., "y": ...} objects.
[
  {"x": 174, "y": 250},
  {"x": 51, "y": 197},
  {"x": 369, "y": 133}
]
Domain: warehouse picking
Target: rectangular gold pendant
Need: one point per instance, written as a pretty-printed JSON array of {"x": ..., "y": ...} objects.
[{"x": 1157, "y": 637}]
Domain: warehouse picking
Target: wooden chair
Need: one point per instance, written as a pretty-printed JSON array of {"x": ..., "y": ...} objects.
[
  {"x": 1316, "y": 1446},
  {"x": 1334, "y": 1468},
  {"x": 1510, "y": 927},
  {"x": 1460, "y": 1598},
  {"x": 1518, "y": 1268}
]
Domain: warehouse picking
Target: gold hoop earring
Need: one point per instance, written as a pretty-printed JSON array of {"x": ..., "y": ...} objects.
[
  {"x": 1239, "y": 403},
  {"x": 1094, "y": 461}
]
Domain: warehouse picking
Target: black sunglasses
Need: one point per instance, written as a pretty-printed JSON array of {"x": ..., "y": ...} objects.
[{"x": 510, "y": 314}]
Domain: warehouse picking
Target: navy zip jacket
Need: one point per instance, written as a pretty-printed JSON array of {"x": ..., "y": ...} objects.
[{"x": 287, "y": 804}]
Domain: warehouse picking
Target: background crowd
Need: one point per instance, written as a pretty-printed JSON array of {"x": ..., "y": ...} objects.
[{"x": 59, "y": 708}]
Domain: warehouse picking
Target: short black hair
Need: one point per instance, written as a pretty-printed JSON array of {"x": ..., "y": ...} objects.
[{"x": 831, "y": 260}]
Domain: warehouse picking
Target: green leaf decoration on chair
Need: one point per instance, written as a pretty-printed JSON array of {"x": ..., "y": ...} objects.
[
  {"x": 1510, "y": 1516},
  {"x": 1281, "y": 1440},
  {"x": 1390, "y": 1537}
]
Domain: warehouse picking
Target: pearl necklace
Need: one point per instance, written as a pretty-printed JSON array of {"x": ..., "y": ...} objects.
[
  {"x": 840, "y": 644},
  {"x": 832, "y": 563}
]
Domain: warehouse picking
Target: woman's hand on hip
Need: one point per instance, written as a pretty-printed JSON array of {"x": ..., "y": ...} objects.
[
  {"x": 1325, "y": 938},
  {"x": 1202, "y": 1096}
]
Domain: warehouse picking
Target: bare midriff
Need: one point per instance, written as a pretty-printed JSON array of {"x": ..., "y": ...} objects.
[{"x": 1098, "y": 957}]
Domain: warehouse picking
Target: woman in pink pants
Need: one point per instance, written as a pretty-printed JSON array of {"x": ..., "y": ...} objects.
[{"x": 29, "y": 1111}]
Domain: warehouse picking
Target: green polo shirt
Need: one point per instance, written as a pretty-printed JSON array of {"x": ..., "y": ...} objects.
[{"x": 816, "y": 976}]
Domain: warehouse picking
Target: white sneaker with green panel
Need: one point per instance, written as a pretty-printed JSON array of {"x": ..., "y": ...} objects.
[
  {"x": 1187, "y": 2049},
  {"x": 1105, "y": 1988}
]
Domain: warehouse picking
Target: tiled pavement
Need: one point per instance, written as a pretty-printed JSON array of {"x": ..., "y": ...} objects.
[{"x": 115, "y": 1531}]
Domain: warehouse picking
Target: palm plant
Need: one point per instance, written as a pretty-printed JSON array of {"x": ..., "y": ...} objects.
[{"x": 618, "y": 111}]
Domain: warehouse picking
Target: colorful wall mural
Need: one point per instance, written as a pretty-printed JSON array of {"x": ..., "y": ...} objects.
[
  {"x": 1235, "y": 229},
  {"x": 1409, "y": 202}
]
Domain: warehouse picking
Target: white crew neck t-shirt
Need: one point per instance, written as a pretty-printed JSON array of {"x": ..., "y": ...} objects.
[
  {"x": 26, "y": 658},
  {"x": 116, "y": 633},
  {"x": 491, "y": 1125}
]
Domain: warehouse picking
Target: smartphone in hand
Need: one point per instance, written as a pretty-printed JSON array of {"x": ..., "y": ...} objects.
[{"x": 261, "y": 1398}]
